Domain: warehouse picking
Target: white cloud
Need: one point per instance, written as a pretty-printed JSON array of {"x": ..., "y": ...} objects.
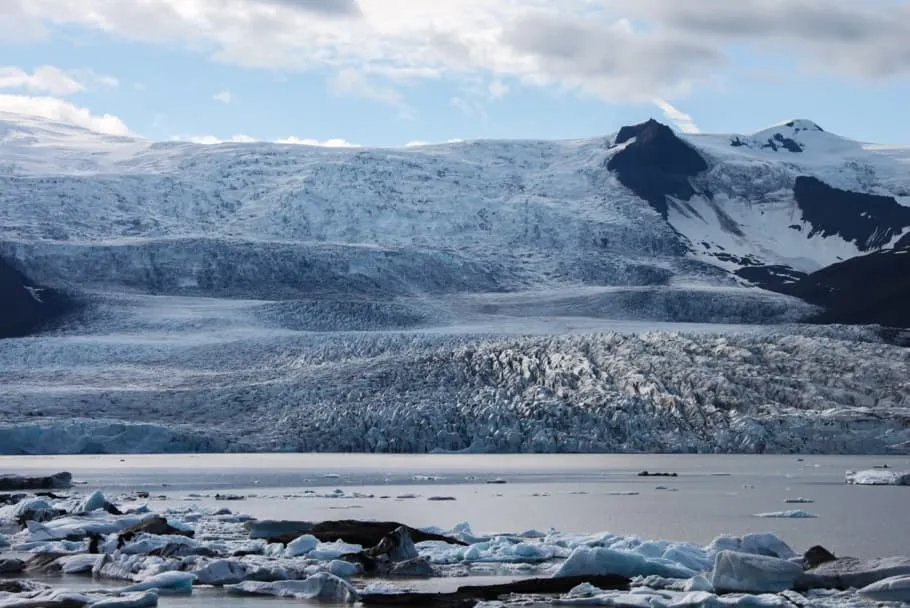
[
  {"x": 90, "y": 79},
  {"x": 59, "y": 110},
  {"x": 45, "y": 79},
  {"x": 683, "y": 121},
  {"x": 469, "y": 107},
  {"x": 223, "y": 96},
  {"x": 498, "y": 89},
  {"x": 615, "y": 50},
  {"x": 53, "y": 80},
  {"x": 350, "y": 81}
]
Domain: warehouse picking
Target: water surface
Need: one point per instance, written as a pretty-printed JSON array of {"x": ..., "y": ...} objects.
[{"x": 712, "y": 495}]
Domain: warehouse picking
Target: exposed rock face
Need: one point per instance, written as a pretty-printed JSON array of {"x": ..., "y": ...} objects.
[
  {"x": 657, "y": 164},
  {"x": 816, "y": 556},
  {"x": 869, "y": 220},
  {"x": 26, "y": 307},
  {"x": 57, "y": 481},
  {"x": 873, "y": 288},
  {"x": 778, "y": 142}
]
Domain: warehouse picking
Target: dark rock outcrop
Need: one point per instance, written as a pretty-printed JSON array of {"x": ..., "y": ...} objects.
[
  {"x": 26, "y": 308},
  {"x": 363, "y": 533},
  {"x": 657, "y": 164},
  {"x": 153, "y": 525},
  {"x": 14, "y": 483},
  {"x": 869, "y": 289},
  {"x": 869, "y": 220},
  {"x": 816, "y": 556},
  {"x": 11, "y": 566},
  {"x": 778, "y": 142}
]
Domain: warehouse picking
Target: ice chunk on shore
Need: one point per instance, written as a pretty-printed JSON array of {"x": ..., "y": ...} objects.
[
  {"x": 45, "y": 599},
  {"x": 166, "y": 583},
  {"x": 147, "y": 543},
  {"x": 330, "y": 551},
  {"x": 79, "y": 564},
  {"x": 322, "y": 586},
  {"x": 222, "y": 572},
  {"x": 36, "y": 506},
  {"x": 64, "y": 527},
  {"x": 878, "y": 477},
  {"x": 92, "y": 502},
  {"x": 894, "y": 589},
  {"x": 601, "y": 561},
  {"x": 147, "y": 599},
  {"x": 755, "y": 544},
  {"x": 301, "y": 545},
  {"x": 746, "y": 573}
]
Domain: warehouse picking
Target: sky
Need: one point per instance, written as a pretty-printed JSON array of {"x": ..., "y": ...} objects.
[{"x": 405, "y": 72}]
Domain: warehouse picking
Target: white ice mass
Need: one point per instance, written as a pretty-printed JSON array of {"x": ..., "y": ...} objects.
[
  {"x": 878, "y": 477},
  {"x": 497, "y": 296}
]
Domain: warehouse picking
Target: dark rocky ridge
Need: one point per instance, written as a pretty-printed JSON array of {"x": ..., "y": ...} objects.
[
  {"x": 26, "y": 307},
  {"x": 869, "y": 289},
  {"x": 869, "y": 220},
  {"x": 778, "y": 141},
  {"x": 657, "y": 164}
]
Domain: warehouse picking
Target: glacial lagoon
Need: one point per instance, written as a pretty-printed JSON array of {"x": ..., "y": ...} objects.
[{"x": 710, "y": 495}]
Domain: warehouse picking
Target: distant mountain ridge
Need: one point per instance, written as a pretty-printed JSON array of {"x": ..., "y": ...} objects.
[{"x": 643, "y": 207}]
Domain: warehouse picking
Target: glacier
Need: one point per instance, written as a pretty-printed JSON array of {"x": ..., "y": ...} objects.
[{"x": 481, "y": 296}]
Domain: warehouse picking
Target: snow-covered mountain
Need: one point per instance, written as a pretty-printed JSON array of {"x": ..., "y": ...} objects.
[
  {"x": 397, "y": 288},
  {"x": 641, "y": 207}
]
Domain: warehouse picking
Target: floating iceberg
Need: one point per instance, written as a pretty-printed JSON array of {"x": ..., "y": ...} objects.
[
  {"x": 795, "y": 514},
  {"x": 322, "y": 586},
  {"x": 878, "y": 477}
]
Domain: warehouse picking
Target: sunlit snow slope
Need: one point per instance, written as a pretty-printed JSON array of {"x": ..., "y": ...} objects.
[{"x": 263, "y": 296}]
